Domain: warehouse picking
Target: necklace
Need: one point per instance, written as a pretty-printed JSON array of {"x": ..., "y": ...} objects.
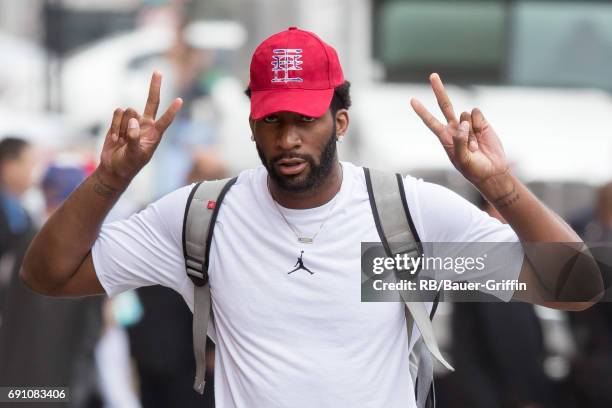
[{"x": 300, "y": 237}]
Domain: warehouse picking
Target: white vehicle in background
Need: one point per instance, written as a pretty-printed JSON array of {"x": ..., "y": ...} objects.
[{"x": 544, "y": 131}]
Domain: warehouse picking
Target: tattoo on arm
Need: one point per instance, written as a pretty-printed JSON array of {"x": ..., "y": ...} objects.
[
  {"x": 103, "y": 189},
  {"x": 507, "y": 199}
]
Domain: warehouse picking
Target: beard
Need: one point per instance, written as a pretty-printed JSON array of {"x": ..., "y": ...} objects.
[{"x": 315, "y": 174}]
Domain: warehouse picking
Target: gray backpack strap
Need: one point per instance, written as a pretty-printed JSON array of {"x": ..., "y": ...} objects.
[
  {"x": 399, "y": 236},
  {"x": 201, "y": 317},
  {"x": 424, "y": 377},
  {"x": 425, "y": 387},
  {"x": 388, "y": 201},
  {"x": 198, "y": 224}
]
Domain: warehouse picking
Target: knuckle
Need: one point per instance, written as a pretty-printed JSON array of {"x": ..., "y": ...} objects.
[
  {"x": 154, "y": 96},
  {"x": 445, "y": 105}
]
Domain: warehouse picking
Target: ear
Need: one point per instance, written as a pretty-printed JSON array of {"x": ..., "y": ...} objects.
[
  {"x": 342, "y": 122},
  {"x": 252, "y": 126}
]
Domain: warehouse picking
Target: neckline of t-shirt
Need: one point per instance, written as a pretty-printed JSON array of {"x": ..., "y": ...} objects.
[{"x": 347, "y": 181}]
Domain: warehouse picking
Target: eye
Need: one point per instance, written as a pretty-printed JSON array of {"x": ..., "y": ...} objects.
[
  {"x": 307, "y": 119},
  {"x": 271, "y": 119}
]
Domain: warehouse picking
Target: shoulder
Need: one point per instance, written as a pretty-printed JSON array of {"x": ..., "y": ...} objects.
[
  {"x": 166, "y": 207},
  {"x": 249, "y": 184},
  {"x": 354, "y": 173},
  {"x": 249, "y": 178},
  {"x": 442, "y": 215},
  {"x": 244, "y": 180},
  {"x": 438, "y": 213}
]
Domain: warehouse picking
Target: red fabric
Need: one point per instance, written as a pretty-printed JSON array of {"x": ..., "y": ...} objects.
[{"x": 293, "y": 71}]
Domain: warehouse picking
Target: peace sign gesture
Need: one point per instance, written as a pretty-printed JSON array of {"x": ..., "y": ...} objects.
[
  {"x": 132, "y": 138},
  {"x": 471, "y": 143}
]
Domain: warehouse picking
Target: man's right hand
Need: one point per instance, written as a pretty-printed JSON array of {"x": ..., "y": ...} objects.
[
  {"x": 59, "y": 261},
  {"x": 132, "y": 138}
]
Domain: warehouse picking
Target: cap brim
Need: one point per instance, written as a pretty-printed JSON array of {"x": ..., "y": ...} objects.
[{"x": 307, "y": 102}]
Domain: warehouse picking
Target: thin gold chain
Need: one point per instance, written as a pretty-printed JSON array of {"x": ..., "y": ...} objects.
[{"x": 300, "y": 237}]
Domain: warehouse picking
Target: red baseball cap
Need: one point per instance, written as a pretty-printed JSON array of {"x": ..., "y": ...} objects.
[{"x": 293, "y": 71}]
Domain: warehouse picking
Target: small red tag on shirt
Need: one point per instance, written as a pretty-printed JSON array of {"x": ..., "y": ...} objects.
[{"x": 211, "y": 204}]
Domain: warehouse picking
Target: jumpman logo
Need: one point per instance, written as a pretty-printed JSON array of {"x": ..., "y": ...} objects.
[{"x": 300, "y": 265}]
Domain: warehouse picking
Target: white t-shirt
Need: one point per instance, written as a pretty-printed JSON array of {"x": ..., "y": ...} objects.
[{"x": 300, "y": 339}]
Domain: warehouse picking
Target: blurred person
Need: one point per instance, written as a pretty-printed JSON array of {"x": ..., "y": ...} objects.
[
  {"x": 598, "y": 227},
  {"x": 193, "y": 76},
  {"x": 112, "y": 354},
  {"x": 160, "y": 341},
  {"x": 57, "y": 184},
  {"x": 16, "y": 166},
  {"x": 111, "y": 348},
  {"x": 591, "y": 373},
  {"x": 207, "y": 165},
  {"x": 498, "y": 352},
  {"x": 300, "y": 339},
  {"x": 46, "y": 341},
  {"x": 16, "y": 227},
  {"x": 160, "y": 344}
]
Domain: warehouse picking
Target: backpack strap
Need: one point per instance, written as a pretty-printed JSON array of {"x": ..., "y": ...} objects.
[
  {"x": 201, "y": 212},
  {"x": 399, "y": 236},
  {"x": 425, "y": 391}
]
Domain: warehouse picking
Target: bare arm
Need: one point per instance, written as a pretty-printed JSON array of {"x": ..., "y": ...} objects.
[
  {"x": 58, "y": 261},
  {"x": 542, "y": 268},
  {"x": 476, "y": 151}
]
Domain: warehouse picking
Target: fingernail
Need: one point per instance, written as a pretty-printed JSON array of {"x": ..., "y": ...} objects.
[{"x": 132, "y": 123}]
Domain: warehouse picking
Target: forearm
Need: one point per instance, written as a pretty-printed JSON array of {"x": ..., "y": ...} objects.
[
  {"x": 563, "y": 268},
  {"x": 64, "y": 241},
  {"x": 529, "y": 217}
]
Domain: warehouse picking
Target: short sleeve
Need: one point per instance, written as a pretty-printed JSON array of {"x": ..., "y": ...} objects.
[
  {"x": 144, "y": 249},
  {"x": 442, "y": 216}
]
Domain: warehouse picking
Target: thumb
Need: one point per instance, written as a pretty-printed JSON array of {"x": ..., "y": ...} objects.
[
  {"x": 460, "y": 143},
  {"x": 133, "y": 133}
]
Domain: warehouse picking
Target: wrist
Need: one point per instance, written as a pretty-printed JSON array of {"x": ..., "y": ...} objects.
[
  {"x": 108, "y": 181},
  {"x": 499, "y": 188}
]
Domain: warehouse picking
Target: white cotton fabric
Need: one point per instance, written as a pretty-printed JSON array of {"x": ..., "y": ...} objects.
[{"x": 294, "y": 340}]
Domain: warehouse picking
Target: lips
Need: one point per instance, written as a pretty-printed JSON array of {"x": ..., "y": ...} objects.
[{"x": 289, "y": 167}]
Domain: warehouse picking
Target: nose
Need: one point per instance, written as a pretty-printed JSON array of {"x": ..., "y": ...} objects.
[{"x": 289, "y": 137}]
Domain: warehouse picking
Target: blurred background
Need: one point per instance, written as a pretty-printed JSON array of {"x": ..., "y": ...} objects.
[{"x": 539, "y": 70}]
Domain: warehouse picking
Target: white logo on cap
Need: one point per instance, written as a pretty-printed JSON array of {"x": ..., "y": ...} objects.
[{"x": 285, "y": 61}]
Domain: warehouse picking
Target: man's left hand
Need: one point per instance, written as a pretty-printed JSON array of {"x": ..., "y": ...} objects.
[{"x": 470, "y": 143}]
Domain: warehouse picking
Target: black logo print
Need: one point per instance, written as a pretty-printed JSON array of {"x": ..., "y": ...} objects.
[{"x": 300, "y": 265}]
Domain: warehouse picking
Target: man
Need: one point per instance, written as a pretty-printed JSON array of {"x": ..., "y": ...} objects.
[
  {"x": 16, "y": 228},
  {"x": 498, "y": 352},
  {"x": 16, "y": 165},
  {"x": 43, "y": 340},
  {"x": 300, "y": 339},
  {"x": 159, "y": 341},
  {"x": 591, "y": 374}
]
